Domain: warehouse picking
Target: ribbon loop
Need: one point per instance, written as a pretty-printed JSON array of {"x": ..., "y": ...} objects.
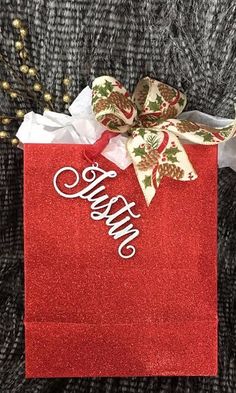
[
  {"x": 112, "y": 104},
  {"x": 157, "y": 102},
  {"x": 154, "y": 131}
]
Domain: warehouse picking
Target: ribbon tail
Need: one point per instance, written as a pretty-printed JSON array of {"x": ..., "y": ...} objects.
[
  {"x": 145, "y": 162},
  {"x": 148, "y": 181},
  {"x": 200, "y": 133},
  {"x": 158, "y": 155}
]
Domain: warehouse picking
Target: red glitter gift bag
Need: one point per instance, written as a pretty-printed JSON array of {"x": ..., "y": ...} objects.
[{"x": 102, "y": 302}]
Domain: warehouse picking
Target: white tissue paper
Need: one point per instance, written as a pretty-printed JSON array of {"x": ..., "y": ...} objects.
[{"x": 81, "y": 127}]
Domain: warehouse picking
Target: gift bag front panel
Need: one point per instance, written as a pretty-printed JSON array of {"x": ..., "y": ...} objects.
[{"x": 90, "y": 312}]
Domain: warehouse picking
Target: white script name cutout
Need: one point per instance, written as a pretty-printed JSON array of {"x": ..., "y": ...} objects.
[{"x": 101, "y": 205}]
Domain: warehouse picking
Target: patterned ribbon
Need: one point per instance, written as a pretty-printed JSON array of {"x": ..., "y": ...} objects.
[{"x": 149, "y": 118}]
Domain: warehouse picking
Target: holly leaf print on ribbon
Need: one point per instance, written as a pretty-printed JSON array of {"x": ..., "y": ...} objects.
[{"x": 150, "y": 117}]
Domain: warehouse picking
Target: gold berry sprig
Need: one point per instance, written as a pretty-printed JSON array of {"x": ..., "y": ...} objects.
[
  {"x": 29, "y": 86},
  {"x": 4, "y": 135},
  {"x": 26, "y": 68},
  {"x": 66, "y": 96}
]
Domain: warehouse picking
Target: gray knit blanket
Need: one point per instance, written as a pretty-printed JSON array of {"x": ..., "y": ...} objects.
[{"x": 189, "y": 44}]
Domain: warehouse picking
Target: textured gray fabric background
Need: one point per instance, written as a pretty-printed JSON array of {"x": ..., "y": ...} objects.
[{"x": 189, "y": 44}]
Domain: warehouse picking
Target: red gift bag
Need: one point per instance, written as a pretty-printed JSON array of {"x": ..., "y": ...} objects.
[{"x": 91, "y": 312}]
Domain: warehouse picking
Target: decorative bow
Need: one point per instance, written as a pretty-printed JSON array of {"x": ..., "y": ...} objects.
[{"x": 149, "y": 118}]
